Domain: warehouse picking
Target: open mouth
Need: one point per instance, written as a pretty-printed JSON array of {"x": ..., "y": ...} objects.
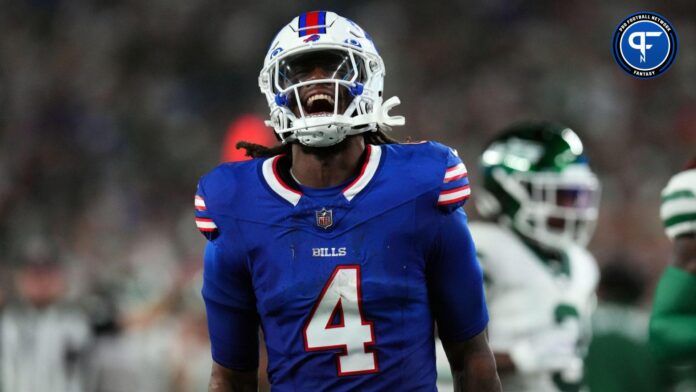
[{"x": 319, "y": 105}]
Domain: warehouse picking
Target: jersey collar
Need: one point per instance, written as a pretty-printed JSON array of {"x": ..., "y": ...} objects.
[
  {"x": 367, "y": 172},
  {"x": 269, "y": 170}
]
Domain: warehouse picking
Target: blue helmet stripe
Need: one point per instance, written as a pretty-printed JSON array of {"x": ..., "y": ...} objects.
[
  {"x": 301, "y": 24},
  {"x": 322, "y": 22}
]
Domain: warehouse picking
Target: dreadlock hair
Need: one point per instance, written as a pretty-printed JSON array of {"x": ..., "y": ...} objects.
[{"x": 259, "y": 151}]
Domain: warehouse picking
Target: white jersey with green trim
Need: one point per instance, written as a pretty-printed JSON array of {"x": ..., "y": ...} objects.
[{"x": 539, "y": 309}]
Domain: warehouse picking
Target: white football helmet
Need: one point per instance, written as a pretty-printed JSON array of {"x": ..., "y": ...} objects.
[
  {"x": 352, "y": 68},
  {"x": 536, "y": 178}
]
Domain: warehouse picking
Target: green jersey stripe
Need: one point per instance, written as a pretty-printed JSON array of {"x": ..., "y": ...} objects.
[
  {"x": 681, "y": 194},
  {"x": 673, "y": 220}
]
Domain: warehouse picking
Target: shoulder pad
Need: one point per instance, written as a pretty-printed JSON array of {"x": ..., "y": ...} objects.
[
  {"x": 678, "y": 209},
  {"x": 434, "y": 166},
  {"x": 214, "y": 189},
  {"x": 454, "y": 189}
]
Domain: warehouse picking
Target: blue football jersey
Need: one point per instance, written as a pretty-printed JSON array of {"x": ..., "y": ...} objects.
[{"x": 346, "y": 282}]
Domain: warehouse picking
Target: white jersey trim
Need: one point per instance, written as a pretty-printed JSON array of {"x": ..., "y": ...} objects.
[
  {"x": 269, "y": 171},
  {"x": 374, "y": 154}
]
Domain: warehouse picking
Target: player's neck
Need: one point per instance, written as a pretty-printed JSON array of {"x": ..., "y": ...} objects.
[{"x": 327, "y": 166}]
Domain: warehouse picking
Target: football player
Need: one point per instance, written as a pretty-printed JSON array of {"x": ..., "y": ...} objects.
[
  {"x": 540, "y": 200},
  {"x": 343, "y": 246},
  {"x": 673, "y": 321}
]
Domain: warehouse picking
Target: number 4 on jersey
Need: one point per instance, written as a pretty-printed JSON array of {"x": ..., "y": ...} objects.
[{"x": 341, "y": 299}]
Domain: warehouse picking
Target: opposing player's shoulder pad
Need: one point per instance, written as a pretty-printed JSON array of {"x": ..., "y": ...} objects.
[{"x": 454, "y": 190}]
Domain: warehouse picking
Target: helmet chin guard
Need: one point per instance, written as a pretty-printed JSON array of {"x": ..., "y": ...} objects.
[
  {"x": 327, "y": 130},
  {"x": 361, "y": 80}
]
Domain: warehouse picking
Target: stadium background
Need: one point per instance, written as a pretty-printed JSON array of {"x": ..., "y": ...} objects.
[{"x": 111, "y": 110}]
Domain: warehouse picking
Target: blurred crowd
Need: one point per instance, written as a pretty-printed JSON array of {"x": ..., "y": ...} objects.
[{"x": 111, "y": 110}]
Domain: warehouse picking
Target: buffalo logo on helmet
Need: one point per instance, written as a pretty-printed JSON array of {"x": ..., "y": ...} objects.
[{"x": 312, "y": 38}]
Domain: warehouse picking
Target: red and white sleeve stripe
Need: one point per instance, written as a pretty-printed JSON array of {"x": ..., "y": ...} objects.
[
  {"x": 199, "y": 203},
  {"x": 455, "y": 173},
  {"x": 454, "y": 195},
  {"x": 206, "y": 224}
]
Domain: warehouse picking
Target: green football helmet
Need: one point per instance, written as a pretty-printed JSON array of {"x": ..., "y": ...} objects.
[{"x": 537, "y": 180}]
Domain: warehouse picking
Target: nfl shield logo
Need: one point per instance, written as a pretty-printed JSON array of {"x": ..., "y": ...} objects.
[{"x": 324, "y": 218}]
